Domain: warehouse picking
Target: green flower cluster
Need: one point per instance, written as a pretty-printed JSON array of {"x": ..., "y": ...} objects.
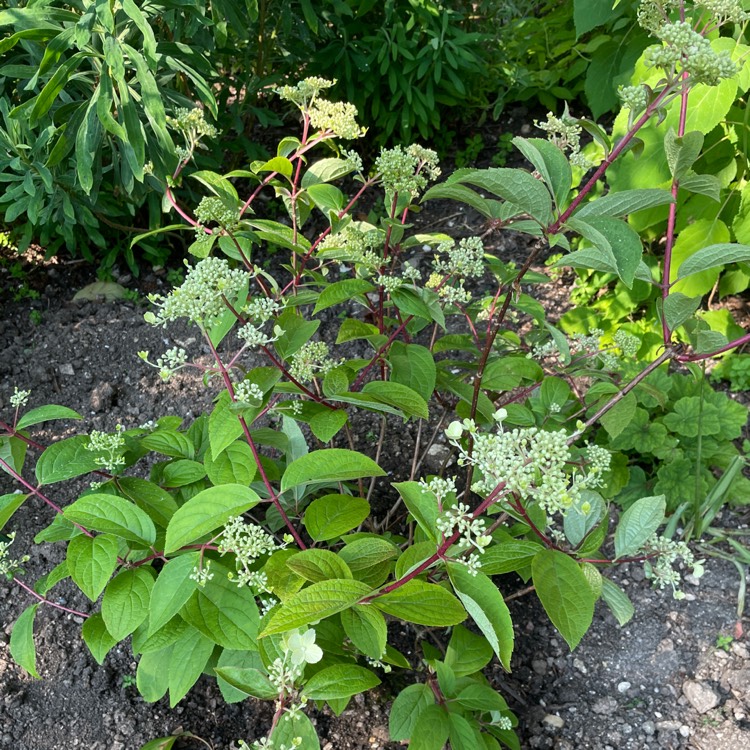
[
  {"x": 112, "y": 445},
  {"x": 248, "y": 542},
  {"x": 311, "y": 360},
  {"x": 201, "y": 297},
  {"x": 691, "y": 52},
  {"x": 407, "y": 170},
  {"x": 339, "y": 118},
  {"x": 212, "y": 209},
  {"x": 565, "y": 133}
]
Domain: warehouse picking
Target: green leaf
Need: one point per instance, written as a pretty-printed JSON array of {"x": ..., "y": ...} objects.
[
  {"x": 13, "y": 451},
  {"x": 682, "y": 152},
  {"x": 464, "y": 733},
  {"x": 206, "y": 512},
  {"x": 406, "y": 710},
  {"x": 329, "y": 465},
  {"x": 485, "y": 604},
  {"x": 190, "y": 654},
  {"x": 45, "y": 414},
  {"x": 224, "y": 612},
  {"x": 509, "y": 556},
  {"x": 431, "y": 729},
  {"x": 515, "y": 186},
  {"x": 278, "y": 164},
  {"x": 22, "y": 647},
  {"x": 46, "y": 97},
  {"x": 413, "y": 365},
  {"x": 162, "y": 743},
  {"x": 422, "y": 505},
  {"x": 172, "y": 589},
  {"x": 316, "y": 602},
  {"x": 319, "y": 565},
  {"x": 588, "y": 14},
  {"x": 248, "y": 680},
  {"x": 342, "y": 291},
  {"x": 9, "y": 504},
  {"x": 340, "y": 681},
  {"x": 97, "y": 637},
  {"x": 152, "y": 675},
  {"x": 91, "y": 562},
  {"x": 565, "y": 594},
  {"x": 638, "y": 523},
  {"x": 702, "y": 184},
  {"x": 399, "y": 396},
  {"x": 170, "y": 443},
  {"x": 467, "y": 653},
  {"x": 125, "y": 601},
  {"x": 621, "y": 203},
  {"x": 577, "y": 523},
  {"x": 620, "y": 415},
  {"x": 552, "y": 165},
  {"x": 482, "y": 698},
  {"x": 223, "y": 426},
  {"x": 48, "y": 581},
  {"x": 288, "y": 730},
  {"x": 422, "y": 603},
  {"x": 366, "y": 628},
  {"x": 325, "y": 170},
  {"x": 617, "y": 601},
  {"x": 369, "y": 559},
  {"x": 714, "y": 256},
  {"x": 66, "y": 459},
  {"x": 678, "y": 308},
  {"x": 297, "y": 332},
  {"x": 330, "y": 516},
  {"x": 181, "y": 472},
  {"x": 706, "y": 239},
  {"x": 326, "y": 425},
  {"x": 149, "y": 497},
  {"x": 462, "y": 194},
  {"x": 234, "y": 465},
  {"x": 112, "y": 515}
]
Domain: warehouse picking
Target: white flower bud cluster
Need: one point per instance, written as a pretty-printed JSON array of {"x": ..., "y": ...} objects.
[
  {"x": 454, "y": 294},
  {"x": 465, "y": 260},
  {"x": 353, "y": 160},
  {"x": 725, "y": 11},
  {"x": 441, "y": 487},
  {"x": 472, "y": 530},
  {"x": 662, "y": 572},
  {"x": 378, "y": 664},
  {"x": 248, "y": 542},
  {"x": 112, "y": 445},
  {"x": 528, "y": 461},
  {"x": 248, "y": 392},
  {"x": 565, "y": 133},
  {"x": 200, "y": 297},
  {"x": 262, "y": 309},
  {"x": 305, "y": 91},
  {"x": 202, "y": 573},
  {"x": 192, "y": 123},
  {"x": 254, "y": 336},
  {"x": 628, "y": 343},
  {"x": 19, "y": 398},
  {"x": 8, "y": 565},
  {"x": 312, "y": 360},
  {"x": 168, "y": 363},
  {"x": 586, "y": 342},
  {"x": 212, "y": 209},
  {"x": 389, "y": 283},
  {"x": 339, "y": 118},
  {"x": 502, "y": 722},
  {"x": 356, "y": 246},
  {"x": 653, "y": 13},
  {"x": 411, "y": 273},
  {"x": 692, "y": 52},
  {"x": 406, "y": 171}
]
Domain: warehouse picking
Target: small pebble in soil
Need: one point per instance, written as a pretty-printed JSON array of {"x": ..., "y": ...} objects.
[{"x": 623, "y": 687}]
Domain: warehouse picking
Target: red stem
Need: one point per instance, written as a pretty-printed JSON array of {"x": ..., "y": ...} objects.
[{"x": 47, "y": 601}]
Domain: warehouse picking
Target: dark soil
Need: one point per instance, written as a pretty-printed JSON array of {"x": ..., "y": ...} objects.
[{"x": 660, "y": 682}]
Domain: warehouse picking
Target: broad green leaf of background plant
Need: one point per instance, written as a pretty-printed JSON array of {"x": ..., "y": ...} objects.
[
  {"x": 340, "y": 681},
  {"x": 125, "y": 601},
  {"x": 206, "y": 512},
  {"x": 366, "y": 628},
  {"x": 331, "y": 516},
  {"x": 690, "y": 241},
  {"x": 637, "y": 524},
  {"x": 329, "y": 465},
  {"x": 319, "y": 565},
  {"x": 190, "y": 654},
  {"x": 172, "y": 589},
  {"x": 316, "y": 602},
  {"x": 112, "y": 515},
  {"x": 422, "y": 603},
  {"x": 588, "y": 14},
  {"x": 431, "y": 729},
  {"x": 485, "y": 604},
  {"x": 552, "y": 165},
  {"x": 22, "y": 647},
  {"x": 565, "y": 594},
  {"x": 399, "y": 396}
]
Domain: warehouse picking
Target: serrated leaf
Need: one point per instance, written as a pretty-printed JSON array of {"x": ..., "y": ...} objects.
[
  {"x": 678, "y": 308},
  {"x": 330, "y": 464},
  {"x": 621, "y": 203},
  {"x": 316, "y": 602},
  {"x": 565, "y": 594},
  {"x": 617, "y": 601},
  {"x": 22, "y": 647},
  {"x": 181, "y": 472},
  {"x": 297, "y": 726},
  {"x": 125, "y": 601},
  {"x": 190, "y": 654},
  {"x": 399, "y": 396},
  {"x": 509, "y": 556},
  {"x": 714, "y": 256},
  {"x": 413, "y": 365},
  {"x": 46, "y": 414},
  {"x": 552, "y": 165},
  {"x": 422, "y": 504},
  {"x": 340, "y": 681},
  {"x": 327, "y": 424},
  {"x": 422, "y": 603},
  {"x": 406, "y": 710},
  {"x": 112, "y": 515},
  {"x": 91, "y": 562},
  {"x": 467, "y": 653},
  {"x": 485, "y": 604},
  {"x": 97, "y": 637},
  {"x": 66, "y": 459},
  {"x": 206, "y": 512},
  {"x": 234, "y": 465},
  {"x": 431, "y": 729},
  {"x": 249, "y": 680},
  {"x": 342, "y": 291},
  {"x": 638, "y": 523},
  {"x": 366, "y": 628},
  {"x": 319, "y": 565},
  {"x": 331, "y": 516},
  {"x": 172, "y": 589}
]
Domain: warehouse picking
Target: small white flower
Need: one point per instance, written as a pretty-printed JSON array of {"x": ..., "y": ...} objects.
[
  {"x": 454, "y": 430},
  {"x": 302, "y": 648}
]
